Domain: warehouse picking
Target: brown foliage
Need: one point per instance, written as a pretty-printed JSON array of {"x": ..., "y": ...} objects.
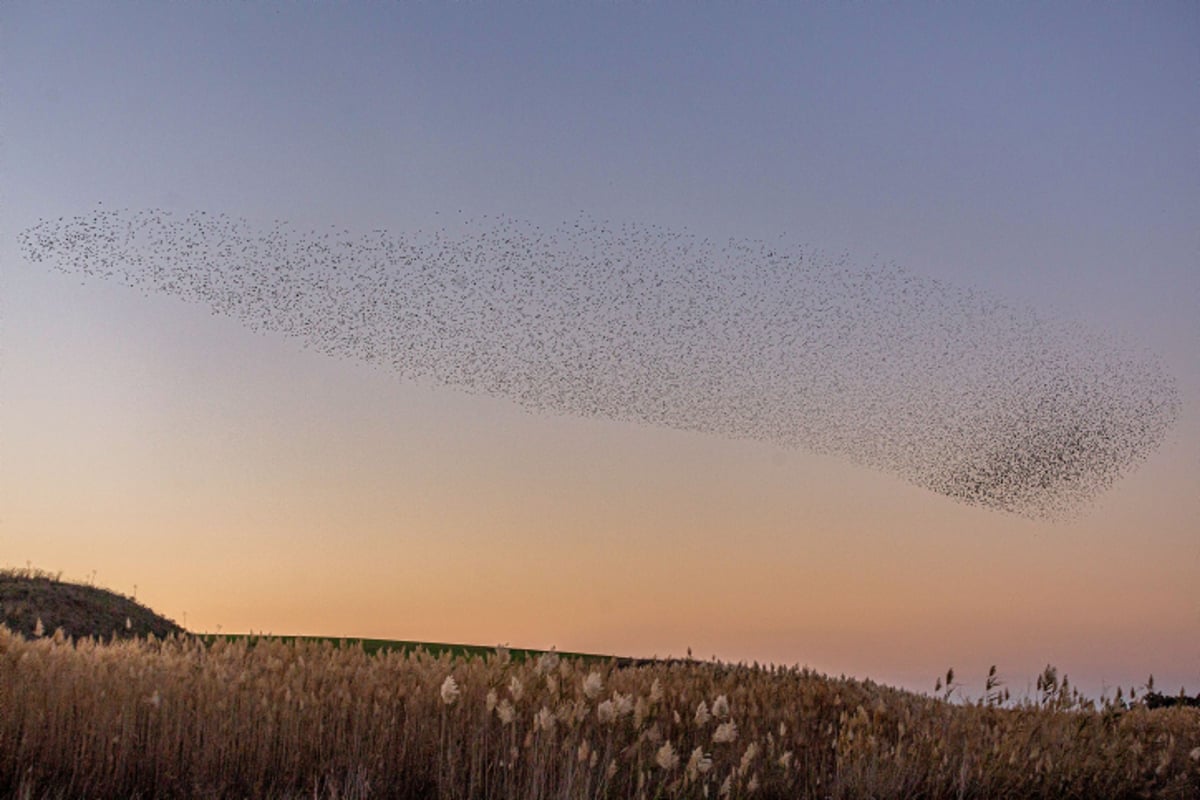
[{"x": 273, "y": 718}]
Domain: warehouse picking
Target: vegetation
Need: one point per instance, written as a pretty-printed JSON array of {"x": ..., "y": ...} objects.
[
  {"x": 375, "y": 646},
  {"x": 100, "y": 697},
  {"x": 275, "y": 718},
  {"x": 33, "y": 602}
]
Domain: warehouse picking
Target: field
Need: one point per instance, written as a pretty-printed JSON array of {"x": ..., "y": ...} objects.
[
  {"x": 377, "y": 646},
  {"x": 238, "y": 717}
]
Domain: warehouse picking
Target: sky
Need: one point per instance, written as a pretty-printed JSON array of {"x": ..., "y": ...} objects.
[{"x": 236, "y": 480}]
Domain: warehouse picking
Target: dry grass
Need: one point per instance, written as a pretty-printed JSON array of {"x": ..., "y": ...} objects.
[
  {"x": 272, "y": 718},
  {"x": 31, "y": 597}
]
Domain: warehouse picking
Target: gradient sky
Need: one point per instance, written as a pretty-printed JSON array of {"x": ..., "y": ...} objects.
[{"x": 1044, "y": 155}]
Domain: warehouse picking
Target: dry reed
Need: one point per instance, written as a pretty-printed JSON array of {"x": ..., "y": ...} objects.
[{"x": 269, "y": 718}]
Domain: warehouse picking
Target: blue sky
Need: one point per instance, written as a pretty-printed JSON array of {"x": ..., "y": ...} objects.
[
  {"x": 1062, "y": 124},
  {"x": 1042, "y": 153}
]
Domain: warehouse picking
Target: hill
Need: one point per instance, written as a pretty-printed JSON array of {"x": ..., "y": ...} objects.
[
  {"x": 302, "y": 717},
  {"x": 29, "y": 595}
]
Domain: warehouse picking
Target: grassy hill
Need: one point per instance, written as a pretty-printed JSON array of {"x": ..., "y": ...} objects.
[
  {"x": 290, "y": 717},
  {"x": 296, "y": 717},
  {"x": 29, "y": 595},
  {"x": 436, "y": 649}
]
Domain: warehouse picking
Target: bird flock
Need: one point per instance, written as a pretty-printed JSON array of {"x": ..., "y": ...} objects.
[{"x": 942, "y": 386}]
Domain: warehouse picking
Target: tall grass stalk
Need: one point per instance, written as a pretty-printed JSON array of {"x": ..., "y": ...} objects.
[{"x": 289, "y": 719}]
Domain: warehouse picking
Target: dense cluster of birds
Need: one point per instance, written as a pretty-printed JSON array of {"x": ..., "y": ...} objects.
[{"x": 942, "y": 386}]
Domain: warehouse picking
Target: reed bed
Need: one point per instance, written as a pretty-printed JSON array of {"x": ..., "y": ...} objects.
[{"x": 288, "y": 719}]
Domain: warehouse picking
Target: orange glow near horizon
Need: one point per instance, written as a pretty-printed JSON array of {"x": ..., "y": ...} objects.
[{"x": 426, "y": 515}]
